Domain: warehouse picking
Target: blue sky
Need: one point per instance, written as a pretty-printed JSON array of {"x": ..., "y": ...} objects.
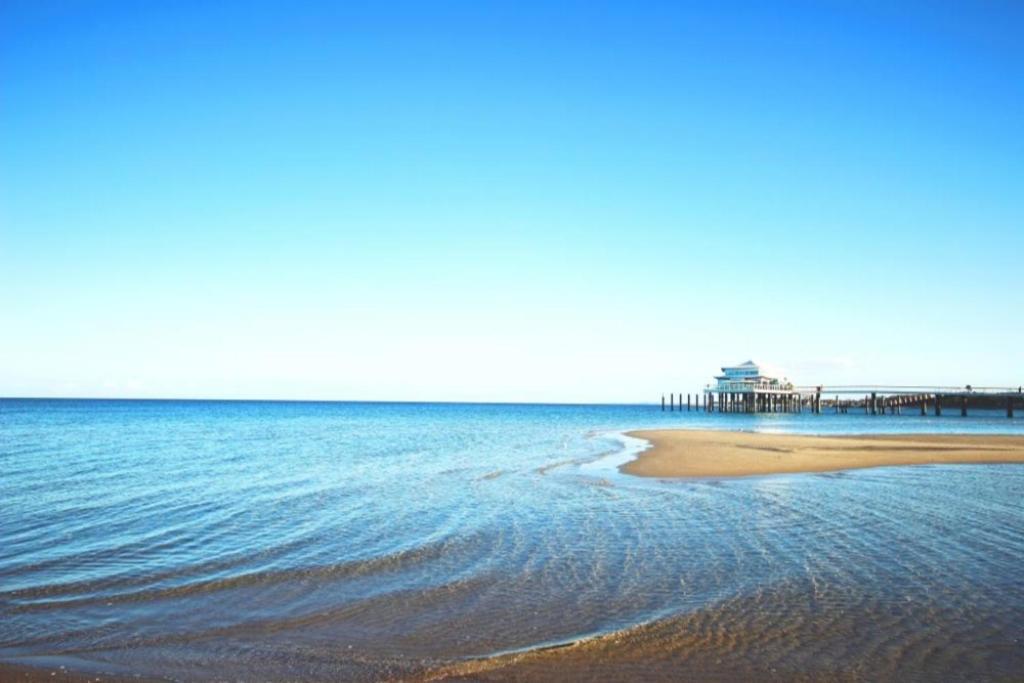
[{"x": 506, "y": 201}]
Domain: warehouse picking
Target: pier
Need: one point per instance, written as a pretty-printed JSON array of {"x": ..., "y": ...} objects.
[{"x": 745, "y": 388}]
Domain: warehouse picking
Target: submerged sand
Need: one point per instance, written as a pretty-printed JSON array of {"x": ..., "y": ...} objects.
[{"x": 691, "y": 453}]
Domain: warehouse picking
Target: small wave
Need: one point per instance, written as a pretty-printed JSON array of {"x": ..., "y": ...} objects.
[
  {"x": 41, "y": 598},
  {"x": 547, "y": 468},
  {"x": 264, "y": 627}
]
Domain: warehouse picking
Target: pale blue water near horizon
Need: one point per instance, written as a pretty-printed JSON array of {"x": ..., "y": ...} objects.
[{"x": 205, "y": 540}]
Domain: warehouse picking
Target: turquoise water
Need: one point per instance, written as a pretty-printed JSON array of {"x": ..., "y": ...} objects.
[{"x": 242, "y": 540}]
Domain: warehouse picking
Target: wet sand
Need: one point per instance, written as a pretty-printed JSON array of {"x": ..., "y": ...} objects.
[
  {"x": 792, "y": 631},
  {"x": 17, "y": 673},
  {"x": 691, "y": 453}
]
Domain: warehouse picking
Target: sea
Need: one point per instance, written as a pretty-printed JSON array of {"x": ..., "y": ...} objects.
[{"x": 280, "y": 541}]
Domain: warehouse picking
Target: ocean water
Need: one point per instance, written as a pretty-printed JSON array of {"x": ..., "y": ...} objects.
[{"x": 278, "y": 541}]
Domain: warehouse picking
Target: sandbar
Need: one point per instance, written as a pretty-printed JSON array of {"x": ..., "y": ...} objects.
[{"x": 692, "y": 453}]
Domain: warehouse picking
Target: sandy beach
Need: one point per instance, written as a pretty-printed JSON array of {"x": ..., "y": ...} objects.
[{"x": 686, "y": 453}]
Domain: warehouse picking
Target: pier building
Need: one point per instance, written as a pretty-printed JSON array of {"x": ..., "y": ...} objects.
[{"x": 746, "y": 388}]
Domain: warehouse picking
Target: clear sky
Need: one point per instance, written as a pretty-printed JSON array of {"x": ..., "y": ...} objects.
[{"x": 507, "y": 201}]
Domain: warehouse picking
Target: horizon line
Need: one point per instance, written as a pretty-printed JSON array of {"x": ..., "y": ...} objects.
[{"x": 316, "y": 400}]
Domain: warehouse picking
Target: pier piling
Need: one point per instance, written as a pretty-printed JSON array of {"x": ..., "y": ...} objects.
[{"x": 881, "y": 400}]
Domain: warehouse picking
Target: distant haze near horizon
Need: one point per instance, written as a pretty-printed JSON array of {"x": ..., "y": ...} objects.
[{"x": 511, "y": 202}]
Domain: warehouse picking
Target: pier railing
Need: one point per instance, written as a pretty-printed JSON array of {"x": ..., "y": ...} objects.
[{"x": 894, "y": 390}]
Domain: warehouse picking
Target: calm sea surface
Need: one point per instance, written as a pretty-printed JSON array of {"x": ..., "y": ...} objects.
[{"x": 238, "y": 540}]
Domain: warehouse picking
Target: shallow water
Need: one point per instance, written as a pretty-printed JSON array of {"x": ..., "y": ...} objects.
[{"x": 238, "y": 540}]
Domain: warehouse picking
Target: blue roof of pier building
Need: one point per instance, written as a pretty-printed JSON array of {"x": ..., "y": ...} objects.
[
  {"x": 748, "y": 374},
  {"x": 748, "y": 370}
]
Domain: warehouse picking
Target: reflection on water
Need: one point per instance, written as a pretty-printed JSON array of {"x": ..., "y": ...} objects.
[{"x": 284, "y": 540}]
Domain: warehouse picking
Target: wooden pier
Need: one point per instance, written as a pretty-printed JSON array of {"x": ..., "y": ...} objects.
[{"x": 872, "y": 399}]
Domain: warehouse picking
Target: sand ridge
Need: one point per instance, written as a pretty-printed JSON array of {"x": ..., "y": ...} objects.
[{"x": 704, "y": 453}]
